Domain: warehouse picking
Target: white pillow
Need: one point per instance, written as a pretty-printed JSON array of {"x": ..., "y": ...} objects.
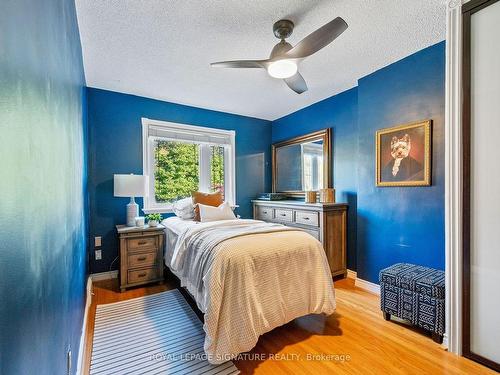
[
  {"x": 210, "y": 213},
  {"x": 184, "y": 208}
]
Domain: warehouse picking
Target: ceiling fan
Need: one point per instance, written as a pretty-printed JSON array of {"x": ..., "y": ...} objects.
[{"x": 282, "y": 63}]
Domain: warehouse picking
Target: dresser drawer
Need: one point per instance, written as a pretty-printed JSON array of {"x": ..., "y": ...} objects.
[
  {"x": 143, "y": 243},
  {"x": 283, "y": 215},
  {"x": 264, "y": 213},
  {"x": 145, "y": 274},
  {"x": 307, "y": 218},
  {"x": 142, "y": 259}
]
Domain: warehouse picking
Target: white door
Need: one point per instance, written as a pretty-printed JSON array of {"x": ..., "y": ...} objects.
[{"x": 485, "y": 182}]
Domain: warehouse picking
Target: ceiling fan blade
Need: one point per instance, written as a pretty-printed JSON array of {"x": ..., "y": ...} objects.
[
  {"x": 240, "y": 64},
  {"x": 296, "y": 83},
  {"x": 317, "y": 39}
]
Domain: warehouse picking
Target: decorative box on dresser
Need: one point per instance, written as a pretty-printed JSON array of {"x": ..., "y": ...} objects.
[
  {"x": 326, "y": 222},
  {"x": 141, "y": 255}
]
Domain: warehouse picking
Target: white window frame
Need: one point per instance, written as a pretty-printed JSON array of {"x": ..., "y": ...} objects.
[{"x": 148, "y": 165}]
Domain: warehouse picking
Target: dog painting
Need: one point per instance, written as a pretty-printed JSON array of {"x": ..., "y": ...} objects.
[{"x": 403, "y": 155}]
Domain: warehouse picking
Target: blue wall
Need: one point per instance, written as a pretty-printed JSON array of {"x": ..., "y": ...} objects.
[
  {"x": 339, "y": 113},
  {"x": 403, "y": 224},
  {"x": 386, "y": 225},
  {"x": 115, "y": 146},
  {"x": 43, "y": 186}
]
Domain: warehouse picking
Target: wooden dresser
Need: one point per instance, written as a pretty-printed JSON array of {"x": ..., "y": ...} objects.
[
  {"x": 326, "y": 222},
  {"x": 141, "y": 255}
]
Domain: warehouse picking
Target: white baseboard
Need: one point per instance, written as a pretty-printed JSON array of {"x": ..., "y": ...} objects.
[
  {"x": 351, "y": 274},
  {"x": 368, "y": 286},
  {"x": 363, "y": 284},
  {"x": 445, "y": 341},
  {"x": 81, "y": 349},
  {"x": 104, "y": 275}
]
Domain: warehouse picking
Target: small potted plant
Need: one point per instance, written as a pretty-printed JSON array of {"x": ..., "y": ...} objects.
[{"x": 154, "y": 219}]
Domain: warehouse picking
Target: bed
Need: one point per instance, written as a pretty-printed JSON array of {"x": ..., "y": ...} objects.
[{"x": 247, "y": 277}]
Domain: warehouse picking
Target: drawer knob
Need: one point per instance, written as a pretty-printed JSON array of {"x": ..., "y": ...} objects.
[
  {"x": 265, "y": 212},
  {"x": 283, "y": 214},
  {"x": 142, "y": 274},
  {"x": 140, "y": 259},
  {"x": 142, "y": 242},
  {"x": 306, "y": 218}
]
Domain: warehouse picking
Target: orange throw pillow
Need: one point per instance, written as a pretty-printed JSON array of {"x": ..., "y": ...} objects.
[{"x": 213, "y": 199}]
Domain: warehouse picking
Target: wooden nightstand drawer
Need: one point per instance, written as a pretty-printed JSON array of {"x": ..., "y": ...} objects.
[
  {"x": 283, "y": 215},
  {"x": 141, "y": 255},
  {"x": 142, "y": 260},
  {"x": 142, "y": 243},
  {"x": 307, "y": 218},
  {"x": 141, "y": 275}
]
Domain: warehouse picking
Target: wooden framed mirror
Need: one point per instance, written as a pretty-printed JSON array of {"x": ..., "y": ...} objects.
[{"x": 302, "y": 164}]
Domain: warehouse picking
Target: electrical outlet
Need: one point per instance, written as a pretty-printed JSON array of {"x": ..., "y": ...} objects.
[
  {"x": 68, "y": 362},
  {"x": 98, "y": 254},
  {"x": 97, "y": 241}
]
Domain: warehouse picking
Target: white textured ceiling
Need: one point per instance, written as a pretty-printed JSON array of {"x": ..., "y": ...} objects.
[{"x": 162, "y": 48}]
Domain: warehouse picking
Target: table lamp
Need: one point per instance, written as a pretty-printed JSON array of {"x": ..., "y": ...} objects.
[{"x": 130, "y": 185}]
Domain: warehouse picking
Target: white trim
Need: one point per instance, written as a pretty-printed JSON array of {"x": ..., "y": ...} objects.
[
  {"x": 453, "y": 177},
  {"x": 351, "y": 274},
  {"x": 204, "y": 166},
  {"x": 158, "y": 210},
  {"x": 83, "y": 337},
  {"x": 230, "y": 169},
  {"x": 363, "y": 284},
  {"x": 194, "y": 128},
  {"x": 104, "y": 275},
  {"x": 445, "y": 343},
  {"x": 368, "y": 286},
  {"x": 229, "y": 161}
]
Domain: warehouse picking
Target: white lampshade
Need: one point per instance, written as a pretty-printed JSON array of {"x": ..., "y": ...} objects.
[{"x": 129, "y": 185}]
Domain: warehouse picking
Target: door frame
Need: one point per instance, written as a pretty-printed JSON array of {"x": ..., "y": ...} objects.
[
  {"x": 468, "y": 10},
  {"x": 453, "y": 178}
]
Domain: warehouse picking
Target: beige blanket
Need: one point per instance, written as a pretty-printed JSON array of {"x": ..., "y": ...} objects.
[{"x": 253, "y": 283}]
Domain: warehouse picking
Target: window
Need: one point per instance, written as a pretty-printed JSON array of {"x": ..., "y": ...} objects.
[
  {"x": 179, "y": 159},
  {"x": 176, "y": 170},
  {"x": 312, "y": 165},
  {"x": 217, "y": 169}
]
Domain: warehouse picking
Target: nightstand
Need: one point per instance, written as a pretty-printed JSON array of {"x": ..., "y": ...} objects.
[{"x": 141, "y": 255}]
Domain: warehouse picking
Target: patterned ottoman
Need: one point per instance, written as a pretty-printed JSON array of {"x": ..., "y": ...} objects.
[{"x": 416, "y": 294}]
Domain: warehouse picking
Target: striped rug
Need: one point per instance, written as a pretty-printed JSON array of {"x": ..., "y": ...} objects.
[{"x": 156, "y": 334}]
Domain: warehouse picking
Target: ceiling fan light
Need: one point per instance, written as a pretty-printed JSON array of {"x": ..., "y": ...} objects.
[{"x": 282, "y": 69}]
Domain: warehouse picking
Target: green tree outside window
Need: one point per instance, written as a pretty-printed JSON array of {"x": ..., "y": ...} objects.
[{"x": 177, "y": 170}]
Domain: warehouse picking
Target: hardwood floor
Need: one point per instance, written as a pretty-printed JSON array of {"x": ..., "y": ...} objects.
[{"x": 354, "y": 340}]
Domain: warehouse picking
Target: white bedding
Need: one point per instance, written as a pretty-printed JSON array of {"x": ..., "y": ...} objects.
[
  {"x": 177, "y": 225},
  {"x": 173, "y": 227},
  {"x": 248, "y": 277}
]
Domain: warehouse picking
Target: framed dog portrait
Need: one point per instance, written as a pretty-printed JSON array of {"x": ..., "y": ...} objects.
[{"x": 404, "y": 155}]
